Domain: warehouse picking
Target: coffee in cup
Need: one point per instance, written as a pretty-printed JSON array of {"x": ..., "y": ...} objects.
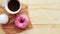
[{"x": 13, "y": 6}]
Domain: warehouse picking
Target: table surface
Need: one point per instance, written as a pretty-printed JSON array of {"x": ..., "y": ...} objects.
[{"x": 45, "y": 16}]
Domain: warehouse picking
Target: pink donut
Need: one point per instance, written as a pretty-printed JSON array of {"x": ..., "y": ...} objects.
[{"x": 21, "y": 21}]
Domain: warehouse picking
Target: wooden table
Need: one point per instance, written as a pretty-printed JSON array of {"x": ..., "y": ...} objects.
[{"x": 45, "y": 16}]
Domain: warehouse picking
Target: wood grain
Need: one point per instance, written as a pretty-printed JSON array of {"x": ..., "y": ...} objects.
[
  {"x": 43, "y": 29},
  {"x": 45, "y": 13}
]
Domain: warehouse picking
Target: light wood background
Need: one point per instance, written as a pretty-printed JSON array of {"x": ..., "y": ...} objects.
[{"x": 45, "y": 16}]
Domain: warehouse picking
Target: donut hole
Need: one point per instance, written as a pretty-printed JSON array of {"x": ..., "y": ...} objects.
[{"x": 22, "y": 20}]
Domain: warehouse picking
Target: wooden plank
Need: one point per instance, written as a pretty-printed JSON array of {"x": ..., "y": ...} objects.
[
  {"x": 42, "y": 16},
  {"x": 1, "y": 30},
  {"x": 43, "y": 11},
  {"x": 43, "y": 29},
  {"x": 2, "y": 2},
  {"x": 40, "y": 29}
]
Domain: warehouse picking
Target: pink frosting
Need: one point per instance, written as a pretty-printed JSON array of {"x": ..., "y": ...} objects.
[{"x": 21, "y": 21}]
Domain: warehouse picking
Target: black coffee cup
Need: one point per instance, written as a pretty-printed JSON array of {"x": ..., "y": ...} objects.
[{"x": 12, "y": 6}]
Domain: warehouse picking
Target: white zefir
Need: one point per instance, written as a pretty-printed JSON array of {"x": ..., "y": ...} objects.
[{"x": 4, "y": 19}]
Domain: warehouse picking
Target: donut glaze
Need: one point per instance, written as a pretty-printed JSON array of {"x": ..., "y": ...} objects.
[{"x": 21, "y": 21}]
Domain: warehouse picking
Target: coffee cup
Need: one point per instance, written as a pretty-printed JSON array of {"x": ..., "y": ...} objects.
[{"x": 12, "y": 6}]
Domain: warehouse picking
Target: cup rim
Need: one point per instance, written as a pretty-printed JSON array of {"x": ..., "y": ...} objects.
[{"x": 11, "y": 12}]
